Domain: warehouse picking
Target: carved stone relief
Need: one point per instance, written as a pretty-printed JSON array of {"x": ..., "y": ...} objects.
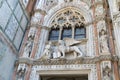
[
  {"x": 99, "y": 10},
  {"x": 62, "y": 47},
  {"x": 92, "y": 67},
  {"x": 21, "y": 71},
  {"x": 34, "y": 75},
  {"x": 30, "y": 42},
  {"x": 106, "y": 70},
  {"x": 50, "y": 4},
  {"x": 103, "y": 38},
  {"x": 103, "y": 41},
  {"x": 36, "y": 18},
  {"x": 68, "y": 18}
]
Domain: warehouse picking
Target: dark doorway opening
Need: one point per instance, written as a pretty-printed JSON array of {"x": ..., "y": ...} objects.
[{"x": 65, "y": 77}]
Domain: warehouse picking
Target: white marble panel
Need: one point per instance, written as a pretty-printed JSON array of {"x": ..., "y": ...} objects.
[
  {"x": 7, "y": 62},
  {"x": 18, "y": 12},
  {"x": 18, "y": 38},
  {"x": 24, "y": 22},
  {"x": 12, "y": 3},
  {"x": 11, "y": 28},
  {"x": 5, "y": 13}
]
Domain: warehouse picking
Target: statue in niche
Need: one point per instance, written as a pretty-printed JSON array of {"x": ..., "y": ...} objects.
[
  {"x": 69, "y": 45},
  {"x": 21, "y": 73},
  {"x": 28, "y": 48},
  {"x": 103, "y": 42},
  {"x": 29, "y": 44},
  {"x": 106, "y": 73},
  {"x": 47, "y": 53}
]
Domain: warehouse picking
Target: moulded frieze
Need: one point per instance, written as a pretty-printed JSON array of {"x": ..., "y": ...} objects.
[{"x": 63, "y": 61}]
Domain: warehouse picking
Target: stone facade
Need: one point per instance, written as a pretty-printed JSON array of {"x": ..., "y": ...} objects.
[{"x": 94, "y": 52}]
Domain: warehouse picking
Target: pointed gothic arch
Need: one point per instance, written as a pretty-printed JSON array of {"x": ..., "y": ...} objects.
[{"x": 53, "y": 12}]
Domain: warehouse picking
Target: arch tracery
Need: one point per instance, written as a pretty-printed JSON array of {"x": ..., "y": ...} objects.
[{"x": 68, "y": 23}]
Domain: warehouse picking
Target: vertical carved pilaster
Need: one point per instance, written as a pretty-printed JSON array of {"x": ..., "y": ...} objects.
[
  {"x": 111, "y": 42},
  {"x": 21, "y": 71},
  {"x": 106, "y": 70},
  {"x": 96, "y": 40}
]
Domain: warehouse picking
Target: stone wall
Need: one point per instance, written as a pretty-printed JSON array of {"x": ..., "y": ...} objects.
[
  {"x": 7, "y": 59},
  {"x": 13, "y": 21}
]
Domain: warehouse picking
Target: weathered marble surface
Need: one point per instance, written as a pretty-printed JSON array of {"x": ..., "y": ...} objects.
[{"x": 7, "y": 59}]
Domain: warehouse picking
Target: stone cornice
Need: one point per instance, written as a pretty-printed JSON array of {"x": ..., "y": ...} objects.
[{"x": 63, "y": 61}]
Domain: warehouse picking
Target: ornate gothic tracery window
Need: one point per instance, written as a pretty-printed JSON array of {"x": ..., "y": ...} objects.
[{"x": 68, "y": 24}]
